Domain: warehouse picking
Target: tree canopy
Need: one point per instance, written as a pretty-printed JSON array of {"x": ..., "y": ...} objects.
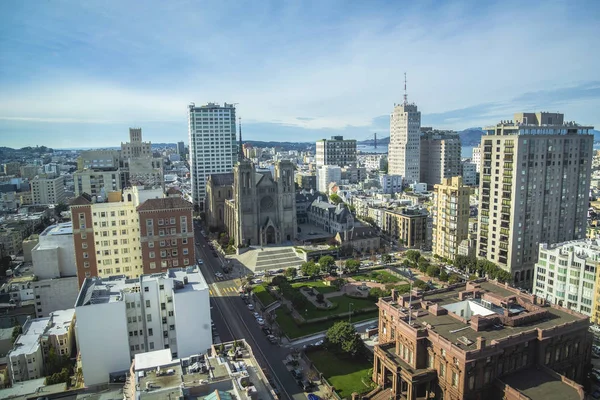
[
  {"x": 309, "y": 268},
  {"x": 291, "y": 272},
  {"x": 335, "y": 199},
  {"x": 413, "y": 256},
  {"x": 327, "y": 263},
  {"x": 352, "y": 266},
  {"x": 342, "y": 337}
]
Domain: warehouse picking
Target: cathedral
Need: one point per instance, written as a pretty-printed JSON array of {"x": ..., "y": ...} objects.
[{"x": 256, "y": 208}]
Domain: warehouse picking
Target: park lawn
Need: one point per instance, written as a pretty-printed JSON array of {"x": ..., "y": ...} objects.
[
  {"x": 379, "y": 277},
  {"x": 293, "y": 331},
  {"x": 263, "y": 295},
  {"x": 343, "y": 305},
  {"x": 319, "y": 286},
  {"x": 344, "y": 374}
]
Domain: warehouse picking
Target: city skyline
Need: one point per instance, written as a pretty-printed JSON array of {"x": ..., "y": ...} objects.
[{"x": 308, "y": 70}]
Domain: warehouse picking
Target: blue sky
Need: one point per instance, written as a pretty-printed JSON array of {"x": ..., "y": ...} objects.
[{"x": 78, "y": 74}]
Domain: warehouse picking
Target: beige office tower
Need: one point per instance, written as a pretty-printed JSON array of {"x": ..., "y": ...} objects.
[
  {"x": 535, "y": 180},
  {"x": 450, "y": 216},
  {"x": 404, "y": 150},
  {"x": 440, "y": 155}
]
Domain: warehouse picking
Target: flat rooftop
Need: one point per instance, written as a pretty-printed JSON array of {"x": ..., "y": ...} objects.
[
  {"x": 29, "y": 340},
  {"x": 539, "y": 385},
  {"x": 65, "y": 228},
  {"x": 61, "y": 321},
  {"x": 462, "y": 334}
]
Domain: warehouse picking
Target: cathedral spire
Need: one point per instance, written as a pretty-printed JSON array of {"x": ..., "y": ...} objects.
[{"x": 241, "y": 149}]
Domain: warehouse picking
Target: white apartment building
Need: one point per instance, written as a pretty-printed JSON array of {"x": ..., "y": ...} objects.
[
  {"x": 565, "y": 274},
  {"x": 54, "y": 266},
  {"x": 372, "y": 162},
  {"x": 327, "y": 174},
  {"x": 336, "y": 151},
  {"x": 48, "y": 191},
  {"x": 404, "y": 150},
  {"x": 476, "y": 159},
  {"x": 534, "y": 186},
  {"x": 167, "y": 310},
  {"x": 213, "y": 147},
  {"x": 390, "y": 184},
  {"x": 26, "y": 359},
  {"x": 440, "y": 155}
]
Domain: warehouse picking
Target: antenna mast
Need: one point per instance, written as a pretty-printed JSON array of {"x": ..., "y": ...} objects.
[{"x": 405, "y": 94}]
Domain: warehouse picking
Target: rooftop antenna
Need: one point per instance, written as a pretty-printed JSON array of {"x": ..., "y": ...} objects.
[{"x": 405, "y": 94}]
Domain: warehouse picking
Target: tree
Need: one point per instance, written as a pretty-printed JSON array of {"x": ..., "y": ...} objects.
[
  {"x": 278, "y": 280},
  {"x": 320, "y": 297},
  {"x": 444, "y": 276},
  {"x": 370, "y": 221},
  {"x": 413, "y": 256},
  {"x": 291, "y": 272},
  {"x": 338, "y": 283},
  {"x": 352, "y": 266},
  {"x": 309, "y": 268},
  {"x": 453, "y": 279},
  {"x": 298, "y": 300},
  {"x": 386, "y": 258},
  {"x": 420, "y": 284},
  {"x": 335, "y": 199},
  {"x": 59, "y": 208},
  {"x": 433, "y": 270},
  {"x": 327, "y": 263},
  {"x": 343, "y": 338},
  {"x": 17, "y": 330}
]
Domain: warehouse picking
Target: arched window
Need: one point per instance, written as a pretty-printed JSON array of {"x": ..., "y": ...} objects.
[
  {"x": 517, "y": 276},
  {"x": 129, "y": 197}
]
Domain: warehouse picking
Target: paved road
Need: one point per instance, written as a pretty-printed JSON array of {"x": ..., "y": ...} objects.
[{"x": 233, "y": 320}]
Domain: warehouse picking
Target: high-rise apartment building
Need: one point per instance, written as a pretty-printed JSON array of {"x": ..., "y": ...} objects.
[
  {"x": 166, "y": 234},
  {"x": 404, "y": 150},
  {"x": 450, "y": 216},
  {"x": 440, "y": 155},
  {"x": 336, "y": 151},
  {"x": 213, "y": 147},
  {"x": 469, "y": 173},
  {"x": 534, "y": 187},
  {"x": 477, "y": 157},
  {"x": 48, "y": 191},
  {"x": 327, "y": 174},
  {"x": 181, "y": 149},
  {"x": 565, "y": 274},
  {"x": 119, "y": 317}
]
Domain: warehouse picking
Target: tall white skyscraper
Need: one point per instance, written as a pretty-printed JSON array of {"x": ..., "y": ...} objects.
[
  {"x": 404, "y": 153},
  {"x": 213, "y": 148}
]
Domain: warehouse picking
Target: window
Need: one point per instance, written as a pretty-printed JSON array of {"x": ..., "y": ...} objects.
[
  {"x": 146, "y": 288},
  {"x": 184, "y": 241},
  {"x": 151, "y": 245},
  {"x": 148, "y": 317},
  {"x": 161, "y": 287},
  {"x": 163, "y": 306},
  {"x": 151, "y": 345},
  {"x": 152, "y": 265},
  {"x": 430, "y": 360},
  {"x": 471, "y": 382},
  {"x": 151, "y": 254},
  {"x": 171, "y": 327},
  {"x": 170, "y": 313},
  {"x": 185, "y": 251},
  {"x": 172, "y": 221},
  {"x": 442, "y": 370},
  {"x": 147, "y": 303},
  {"x": 150, "y": 332},
  {"x": 163, "y": 253},
  {"x": 486, "y": 376},
  {"x": 454, "y": 379}
]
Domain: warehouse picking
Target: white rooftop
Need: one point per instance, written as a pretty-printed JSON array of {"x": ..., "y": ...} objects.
[
  {"x": 29, "y": 340},
  {"x": 61, "y": 321},
  {"x": 153, "y": 359},
  {"x": 65, "y": 228}
]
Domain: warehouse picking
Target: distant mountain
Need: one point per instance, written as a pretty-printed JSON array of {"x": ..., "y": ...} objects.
[
  {"x": 596, "y": 135},
  {"x": 470, "y": 136}
]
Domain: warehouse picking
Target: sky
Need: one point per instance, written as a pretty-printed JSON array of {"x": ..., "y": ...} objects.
[{"x": 80, "y": 73}]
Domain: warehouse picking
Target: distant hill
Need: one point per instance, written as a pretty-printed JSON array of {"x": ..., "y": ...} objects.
[
  {"x": 470, "y": 136},
  {"x": 284, "y": 145},
  {"x": 384, "y": 141}
]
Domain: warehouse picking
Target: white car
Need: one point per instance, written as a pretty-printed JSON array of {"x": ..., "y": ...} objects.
[
  {"x": 257, "y": 281},
  {"x": 260, "y": 321},
  {"x": 250, "y": 307},
  {"x": 256, "y": 315}
]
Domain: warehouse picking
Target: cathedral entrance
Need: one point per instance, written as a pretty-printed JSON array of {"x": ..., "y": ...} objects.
[{"x": 270, "y": 235}]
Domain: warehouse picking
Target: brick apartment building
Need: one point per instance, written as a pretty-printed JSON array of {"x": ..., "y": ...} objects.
[
  {"x": 166, "y": 234},
  {"x": 482, "y": 340}
]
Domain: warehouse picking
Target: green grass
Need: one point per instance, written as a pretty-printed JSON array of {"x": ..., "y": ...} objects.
[
  {"x": 317, "y": 285},
  {"x": 293, "y": 331},
  {"x": 263, "y": 295},
  {"x": 344, "y": 374},
  {"x": 379, "y": 277}
]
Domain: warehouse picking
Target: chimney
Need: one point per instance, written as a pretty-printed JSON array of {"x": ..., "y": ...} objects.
[{"x": 480, "y": 342}]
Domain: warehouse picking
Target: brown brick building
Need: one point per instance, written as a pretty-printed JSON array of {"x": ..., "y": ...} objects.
[
  {"x": 482, "y": 340},
  {"x": 166, "y": 234},
  {"x": 83, "y": 238}
]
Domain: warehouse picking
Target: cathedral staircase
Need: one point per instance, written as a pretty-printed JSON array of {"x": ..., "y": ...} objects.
[{"x": 277, "y": 258}]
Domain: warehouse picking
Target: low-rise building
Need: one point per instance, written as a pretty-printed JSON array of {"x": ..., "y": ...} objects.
[
  {"x": 364, "y": 239},
  {"x": 565, "y": 274},
  {"x": 478, "y": 341},
  {"x": 390, "y": 184},
  {"x": 48, "y": 190},
  {"x": 168, "y": 310},
  {"x": 329, "y": 217}
]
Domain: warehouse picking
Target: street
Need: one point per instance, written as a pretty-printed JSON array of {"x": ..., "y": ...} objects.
[{"x": 233, "y": 320}]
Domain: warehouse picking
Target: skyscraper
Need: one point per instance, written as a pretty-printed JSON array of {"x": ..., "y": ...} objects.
[
  {"x": 440, "y": 155},
  {"x": 405, "y": 146},
  {"x": 212, "y": 144},
  {"x": 450, "y": 216},
  {"x": 534, "y": 185},
  {"x": 181, "y": 148}
]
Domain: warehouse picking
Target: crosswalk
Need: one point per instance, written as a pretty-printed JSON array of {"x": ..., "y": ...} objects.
[{"x": 224, "y": 291}]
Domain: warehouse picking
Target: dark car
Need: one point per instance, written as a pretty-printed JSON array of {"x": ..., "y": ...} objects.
[
  {"x": 296, "y": 373},
  {"x": 305, "y": 384},
  {"x": 215, "y": 254},
  {"x": 266, "y": 331}
]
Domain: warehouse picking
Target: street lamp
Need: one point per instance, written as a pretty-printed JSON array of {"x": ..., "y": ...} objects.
[{"x": 350, "y": 312}]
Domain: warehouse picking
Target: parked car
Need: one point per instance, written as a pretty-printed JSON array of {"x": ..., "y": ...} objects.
[
  {"x": 305, "y": 385},
  {"x": 296, "y": 373},
  {"x": 257, "y": 281},
  {"x": 250, "y": 307},
  {"x": 319, "y": 343},
  {"x": 260, "y": 321},
  {"x": 272, "y": 339},
  {"x": 256, "y": 315},
  {"x": 200, "y": 262},
  {"x": 215, "y": 254},
  {"x": 266, "y": 331}
]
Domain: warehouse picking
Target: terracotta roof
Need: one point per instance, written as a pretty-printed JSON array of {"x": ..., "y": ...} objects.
[
  {"x": 82, "y": 200},
  {"x": 164, "y": 204}
]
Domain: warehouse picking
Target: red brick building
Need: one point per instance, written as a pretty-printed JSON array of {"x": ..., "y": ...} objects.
[
  {"x": 83, "y": 238},
  {"x": 479, "y": 341},
  {"x": 166, "y": 234}
]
